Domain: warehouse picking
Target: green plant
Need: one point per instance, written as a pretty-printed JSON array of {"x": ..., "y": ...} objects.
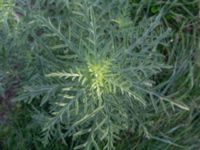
[
  {"x": 98, "y": 75},
  {"x": 100, "y": 80},
  {"x": 180, "y": 15}
]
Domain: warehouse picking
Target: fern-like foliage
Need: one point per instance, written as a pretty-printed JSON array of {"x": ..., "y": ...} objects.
[{"x": 93, "y": 73}]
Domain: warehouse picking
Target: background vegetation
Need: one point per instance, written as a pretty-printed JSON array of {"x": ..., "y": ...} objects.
[{"x": 42, "y": 52}]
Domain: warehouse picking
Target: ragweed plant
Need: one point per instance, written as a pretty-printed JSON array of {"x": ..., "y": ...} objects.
[{"x": 94, "y": 74}]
